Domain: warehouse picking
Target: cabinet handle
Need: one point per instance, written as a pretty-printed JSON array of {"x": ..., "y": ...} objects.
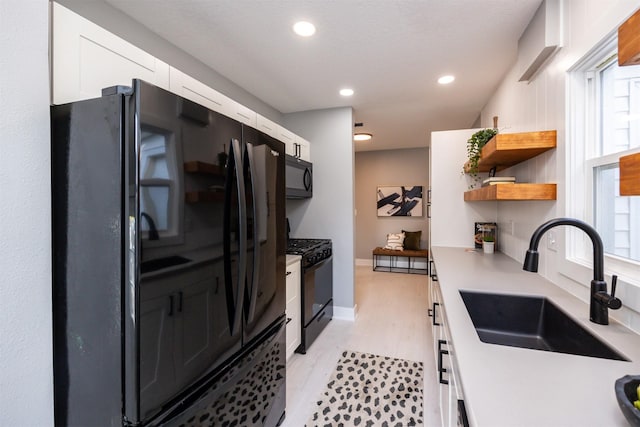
[
  {"x": 430, "y": 312},
  {"x": 463, "y": 420},
  {"x": 441, "y": 370},
  {"x": 180, "y": 302},
  {"x": 170, "y": 305},
  {"x": 433, "y": 311}
]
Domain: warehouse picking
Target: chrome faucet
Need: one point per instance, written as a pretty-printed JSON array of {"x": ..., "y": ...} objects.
[
  {"x": 600, "y": 300},
  {"x": 153, "y": 231}
]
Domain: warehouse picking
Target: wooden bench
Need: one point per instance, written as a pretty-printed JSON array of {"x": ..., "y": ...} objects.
[{"x": 379, "y": 254}]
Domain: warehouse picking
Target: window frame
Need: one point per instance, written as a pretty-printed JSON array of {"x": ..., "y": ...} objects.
[{"x": 582, "y": 157}]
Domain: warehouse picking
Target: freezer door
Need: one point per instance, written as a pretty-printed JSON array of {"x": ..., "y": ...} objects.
[
  {"x": 250, "y": 392},
  {"x": 185, "y": 240},
  {"x": 263, "y": 170}
]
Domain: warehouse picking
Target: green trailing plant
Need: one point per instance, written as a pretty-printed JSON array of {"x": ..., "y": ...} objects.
[
  {"x": 474, "y": 148},
  {"x": 489, "y": 238}
]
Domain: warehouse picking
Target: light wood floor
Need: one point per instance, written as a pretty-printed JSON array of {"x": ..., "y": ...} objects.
[{"x": 392, "y": 321}]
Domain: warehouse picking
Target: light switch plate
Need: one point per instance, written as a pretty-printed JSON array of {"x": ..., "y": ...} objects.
[{"x": 552, "y": 241}]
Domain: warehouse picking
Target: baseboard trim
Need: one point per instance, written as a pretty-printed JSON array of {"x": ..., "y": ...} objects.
[
  {"x": 364, "y": 261},
  {"x": 345, "y": 313}
]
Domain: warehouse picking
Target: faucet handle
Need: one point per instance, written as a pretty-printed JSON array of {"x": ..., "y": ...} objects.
[{"x": 614, "y": 303}]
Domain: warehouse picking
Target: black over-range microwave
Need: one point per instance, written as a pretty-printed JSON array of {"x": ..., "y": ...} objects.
[{"x": 299, "y": 178}]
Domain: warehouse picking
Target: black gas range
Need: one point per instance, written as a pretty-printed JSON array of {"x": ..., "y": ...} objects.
[
  {"x": 312, "y": 250},
  {"x": 316, "y": 286}
]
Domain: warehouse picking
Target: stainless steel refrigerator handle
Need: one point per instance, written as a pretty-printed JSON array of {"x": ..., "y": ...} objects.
[
  {"x": 256, "y": 238},
  {"x": 242, "y": 242}
]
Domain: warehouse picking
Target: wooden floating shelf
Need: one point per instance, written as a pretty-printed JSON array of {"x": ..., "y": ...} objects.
[
  {"x": 507, "y": 149},
  {"x": 630, "y": 175},
  {"x": 629, "y": 41},
  {"x": 202, "y": 167},
  {"x": 512, "y": 192}
]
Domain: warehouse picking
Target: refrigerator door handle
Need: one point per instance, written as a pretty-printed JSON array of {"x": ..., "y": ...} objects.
[
  {"x": 253, "y": 284},
  {"x": 234, "y": 305},
  {"x": 242, "y": 241}
]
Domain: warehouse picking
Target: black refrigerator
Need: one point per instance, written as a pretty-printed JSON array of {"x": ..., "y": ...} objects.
[{"x": 169, "y": 264}]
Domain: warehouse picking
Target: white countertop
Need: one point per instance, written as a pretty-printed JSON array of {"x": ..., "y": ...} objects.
[{"x": 510, "y": 386}]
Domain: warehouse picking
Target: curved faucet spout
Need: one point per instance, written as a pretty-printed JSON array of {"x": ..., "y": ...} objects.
[
  {"x": 600, "y": 300},
  {"x": 531, "y": 258}
]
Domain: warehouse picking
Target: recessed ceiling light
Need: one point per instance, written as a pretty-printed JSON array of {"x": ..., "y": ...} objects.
[
  {"x": 445, "y": 80},
  {"x": 304, "y": 28},
  {"x": 362, "y": 136},
  {"x": 346, "y": 92}
]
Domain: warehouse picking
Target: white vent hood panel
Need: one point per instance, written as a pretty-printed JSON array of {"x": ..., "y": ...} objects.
[{"x": 540, "y": 40}]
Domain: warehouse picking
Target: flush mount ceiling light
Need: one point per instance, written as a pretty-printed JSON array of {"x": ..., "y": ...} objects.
[
  {"x": 304, "y": 28},
  {"x": 346, "y": 92},
  {"x": 445, "y": 80},
  {"x": 362, "y": 136}
]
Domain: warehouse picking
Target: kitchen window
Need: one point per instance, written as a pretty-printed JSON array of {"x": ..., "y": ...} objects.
[{"x": 604, "y": 125}]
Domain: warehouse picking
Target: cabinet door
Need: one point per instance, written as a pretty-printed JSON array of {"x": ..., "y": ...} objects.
[
  {"x": 294, "y": 308},
  {"x": 243, "y": 114},
  {"x": 156, "y": 364},
  {"x": 289, "y": 139},
  {"x": 304, "y": 149},
  {"x": 86, "y": 58},
  {"x": 187, "y": 87},
  {"x": 267, "y": 126}
]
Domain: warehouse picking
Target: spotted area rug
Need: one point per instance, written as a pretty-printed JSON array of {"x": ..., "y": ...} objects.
[{"x": 369, "y": 390}]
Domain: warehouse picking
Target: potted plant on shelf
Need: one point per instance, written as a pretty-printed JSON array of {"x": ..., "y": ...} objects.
[
  {"x": 474, "y": 149},
  {"x": 488, "y": 244}
]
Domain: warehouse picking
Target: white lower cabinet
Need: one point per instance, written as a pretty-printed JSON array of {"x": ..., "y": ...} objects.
[
  {"x": 451, "y": 398},
  {"x": 294, "y": 305}
]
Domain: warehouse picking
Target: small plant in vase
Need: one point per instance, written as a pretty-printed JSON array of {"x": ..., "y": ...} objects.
[
  {"x": 474, "y": 149},
  {"x": 488, "y": 244}
]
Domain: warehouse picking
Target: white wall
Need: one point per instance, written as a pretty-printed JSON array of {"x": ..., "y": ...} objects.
[
  {"x": 541, "y": 105},
  {"x": 26, "y": 369},
  {"x": 330, "y": 213},
  {"x": 387, "y": 167}
]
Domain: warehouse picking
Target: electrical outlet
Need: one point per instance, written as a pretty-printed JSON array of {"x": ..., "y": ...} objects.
[{"x": 552, "y": 242}]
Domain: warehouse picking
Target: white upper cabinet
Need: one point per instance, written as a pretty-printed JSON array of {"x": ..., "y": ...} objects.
[
  {"x": 243, "y": 114},
  {"x": 304, "y": 148},
  {"x": 267, "y": 126},
  {"x": 187, "y": 87},
  {"x": 289, "y": 139},
  {"x": 87, "y": 58}
]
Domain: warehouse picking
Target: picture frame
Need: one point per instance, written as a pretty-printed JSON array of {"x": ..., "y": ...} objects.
[{"x": 399, "y": 200}]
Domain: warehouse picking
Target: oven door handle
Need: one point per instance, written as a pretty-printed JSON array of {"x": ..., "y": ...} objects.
[{"x": 317, "y": 265}]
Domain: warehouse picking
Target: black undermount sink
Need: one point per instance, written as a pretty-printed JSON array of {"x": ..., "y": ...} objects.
[
  {"x": 160, "y": 263},
  {"x": 531, "y": 322}
]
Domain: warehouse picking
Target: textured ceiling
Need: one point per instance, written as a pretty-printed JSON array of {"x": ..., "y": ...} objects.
[{"x": 391, "y": 52}]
